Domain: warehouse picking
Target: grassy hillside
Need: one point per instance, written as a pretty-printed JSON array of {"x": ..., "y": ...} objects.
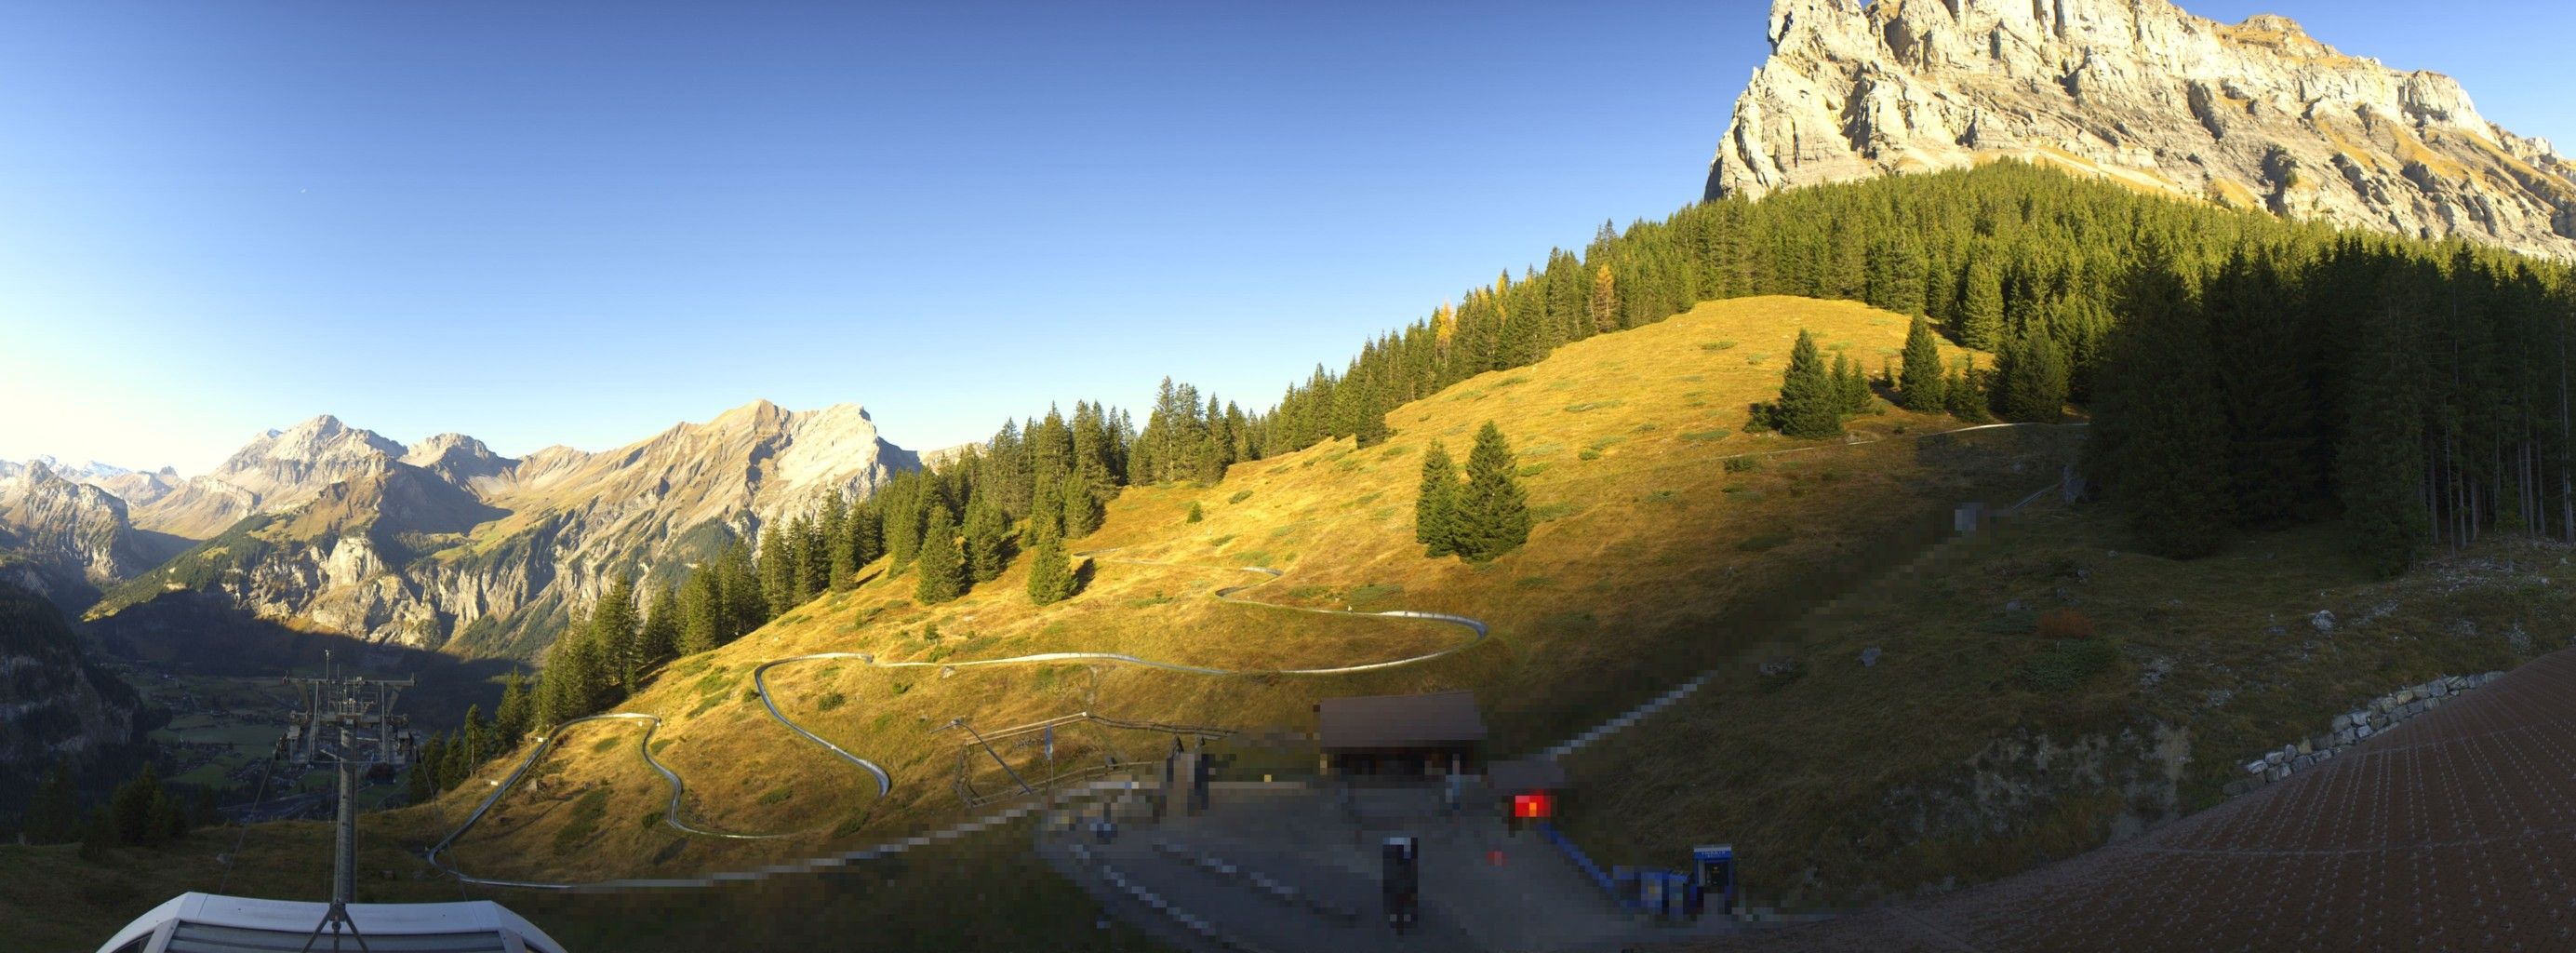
[
  {"x": 1653, "y": 558},
  {"x": 1977, "y": 745}
]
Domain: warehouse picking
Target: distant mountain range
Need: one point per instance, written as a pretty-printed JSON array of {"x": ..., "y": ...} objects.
[
  {"x": 439, "y": 545},
  {"x": 2253, "y": 115}
]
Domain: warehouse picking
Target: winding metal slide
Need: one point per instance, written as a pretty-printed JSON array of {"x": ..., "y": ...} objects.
[{"x": 885, "y": 782}]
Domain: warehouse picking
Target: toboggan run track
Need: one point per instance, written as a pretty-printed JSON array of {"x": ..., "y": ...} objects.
[{"x": 885, "y": 782}]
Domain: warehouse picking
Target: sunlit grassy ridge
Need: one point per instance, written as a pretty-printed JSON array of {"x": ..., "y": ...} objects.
[{"x": 1651, "y": 559}]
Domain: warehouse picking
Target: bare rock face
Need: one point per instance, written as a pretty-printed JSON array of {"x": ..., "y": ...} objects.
[
  {"x": 446, "y": 545},
  {"x": 2252, "y": 115},
  {"x": 71, "y": 534},
  {"x": 275, "y": 472}
]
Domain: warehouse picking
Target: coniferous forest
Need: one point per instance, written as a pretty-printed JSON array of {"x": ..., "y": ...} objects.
[{"x": 2239, "y": 371}]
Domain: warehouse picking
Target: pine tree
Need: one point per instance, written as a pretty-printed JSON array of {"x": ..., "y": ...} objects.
[
  {"x": 511, "y": 721},
  {"x": 1051, "y": 577},
  {"x": 777, "y": 570},
  {"x": 2034, "y": 379},
  {"x": 1435, "y": 509},
  {"x": 2159, "y": 446},
  {"x": 613, "y": 629},
  {"x": 1196, "y": 513},
  {"x": 1810, "y": 405},
  {"x": 132, "y": 808},
  {"x": 477, "y": 735},
  {"x": 1965, "y": 393},
  {"x": 1492, "y": 516},
  {"x": 813, "y": 564},
  {"x": 701, "y": 611},
  {"x": 658, "y": 641},
  {"x": 1981, "y": 307},
  {"x": 940, "y": 566},
  {"x": 1920, "y": 385},
  {"x": 840, "y": 566},
  {"x": 1081, "y": 509},
  {"x": 986, "y": 542},
  {"x": 1851, "y": 387}
]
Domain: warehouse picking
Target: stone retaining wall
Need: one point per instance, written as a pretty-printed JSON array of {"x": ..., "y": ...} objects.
[{"x": 2380, "y": 714}]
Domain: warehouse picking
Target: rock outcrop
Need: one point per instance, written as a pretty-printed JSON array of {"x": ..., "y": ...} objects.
[
  {"x": 447, "y": 545},
  {"x": 2252, "y": 115},
  {"x": 72, "y": 536}
]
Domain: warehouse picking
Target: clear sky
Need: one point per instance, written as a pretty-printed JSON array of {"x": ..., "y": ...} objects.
[{"x": 578, "y": 223}]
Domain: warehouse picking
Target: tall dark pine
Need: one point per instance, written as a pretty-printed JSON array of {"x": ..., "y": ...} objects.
[
  {"x": 613, "y": 628},
  {"x": 839, "y": 562},
  {"x": 658, "y": 640},
  {"x": 1051, "y": 577},
  {"x": 1810, "y": 407},
  {"x": 2159, "y": 445},
  {"x": 1919, "y": 385},
  {"x": 941, "y": 566},
  {"x": 2034, "y": 379},
  {"x": 777, "y": 569},
  {"x": 986, "y": 542},
  {"x": 1492, "y": 516},
  {"x": 1435, "y": 509}
]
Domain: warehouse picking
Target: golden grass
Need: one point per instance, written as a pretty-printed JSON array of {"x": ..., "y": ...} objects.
[{"x": 1653, "y": 562}]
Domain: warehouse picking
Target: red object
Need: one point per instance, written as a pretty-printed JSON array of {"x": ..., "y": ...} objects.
[
  {"x": 1533, "y": 806},
  {"x": 1494, "y": 857}
]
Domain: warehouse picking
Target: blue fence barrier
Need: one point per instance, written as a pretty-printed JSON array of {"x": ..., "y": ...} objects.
[{"x": 1585, "y": 864}]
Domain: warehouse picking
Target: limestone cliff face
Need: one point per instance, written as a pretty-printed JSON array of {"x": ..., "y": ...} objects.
[
  {"x": 2255, "y": 114},
  {"x": 447, "y": 545},
  {"x": 276, "y": 471},
  {"x": 70, "y": 535}
]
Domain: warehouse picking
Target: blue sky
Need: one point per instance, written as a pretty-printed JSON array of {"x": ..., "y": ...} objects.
[{"x": 578, "y": 223}]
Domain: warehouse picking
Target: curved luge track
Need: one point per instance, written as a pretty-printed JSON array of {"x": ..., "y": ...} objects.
[{"x": 885, "y": 781}]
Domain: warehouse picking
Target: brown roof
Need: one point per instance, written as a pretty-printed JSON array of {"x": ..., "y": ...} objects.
[{"x": 1395, "y": 721}]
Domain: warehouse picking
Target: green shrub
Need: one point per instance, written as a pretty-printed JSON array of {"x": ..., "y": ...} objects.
[
  {"x": 1196, "y": 514},
  {"x": 777, "y": 794},
  {"x": 1717, "y": 345},
  {"x": 1241, "y": 496},
  {"x": 830, "y": 700},
  {"x": 1743, "y": 464},
  {"x": 1532, "y": 470}
]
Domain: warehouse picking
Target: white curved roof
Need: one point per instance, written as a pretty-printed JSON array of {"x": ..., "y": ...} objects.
[{"x": 209, "y": 923}]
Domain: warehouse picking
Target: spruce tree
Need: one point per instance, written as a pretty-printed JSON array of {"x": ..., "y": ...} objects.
[
  {"x": 420, "y": 783},
  {"x": 1081, "y": 509},
  {"x": 777, "y": 570},
  {"x": 1604, "y": 304},
  {"x": 131, "y": 809},
  {"x": 1492, "y": 516},
  {"x": 2160, "y": 444},
  {"x": 658, "y": 639},
  {"x": 1981, "y": 307},
  {"x": 701, "y": 610},
  {"x": 1051, "y": 577},
  {"x": 1965, "y": 393},
  {"x": 839, "y": 564},
  {"x": 1920, "y": 384},
  {"x": 510, "y": 722},
  {"x": 613, "y": 629},
  {"x": 477, "y": 735},
  {"x": 940, "y": 566},
  {"x": 1810, "y": 406},
  {"x": 2034, "y": 379},
  {"x": 986, "y": 542},
  {"x": 1435, "y": 509},
  {"x": 1851, "y": 387}
]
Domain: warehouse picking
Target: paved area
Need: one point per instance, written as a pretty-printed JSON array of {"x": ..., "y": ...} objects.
[
  {"x": 1482, "y": 889},
  {"x": 2453, "y": 831}
]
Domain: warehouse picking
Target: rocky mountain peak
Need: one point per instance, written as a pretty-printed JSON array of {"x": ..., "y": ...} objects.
[{"x": 2255, "y": 114}]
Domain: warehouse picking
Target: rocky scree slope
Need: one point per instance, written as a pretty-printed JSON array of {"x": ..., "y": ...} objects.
[
  {"x": 2251, "y": 115},
  {"x": 447, "y": 544}
]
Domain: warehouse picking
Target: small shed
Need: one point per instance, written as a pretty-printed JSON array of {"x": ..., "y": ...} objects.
[{"x": 1400, "y": 736}]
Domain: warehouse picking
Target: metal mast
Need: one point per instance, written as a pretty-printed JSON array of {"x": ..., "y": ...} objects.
[{"x": 343, "y": 709}]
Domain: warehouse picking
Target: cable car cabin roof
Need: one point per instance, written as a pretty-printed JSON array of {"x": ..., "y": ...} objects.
[
  {"x": 1398, "y": 721},
  {"x": 208, "y": 923}
]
